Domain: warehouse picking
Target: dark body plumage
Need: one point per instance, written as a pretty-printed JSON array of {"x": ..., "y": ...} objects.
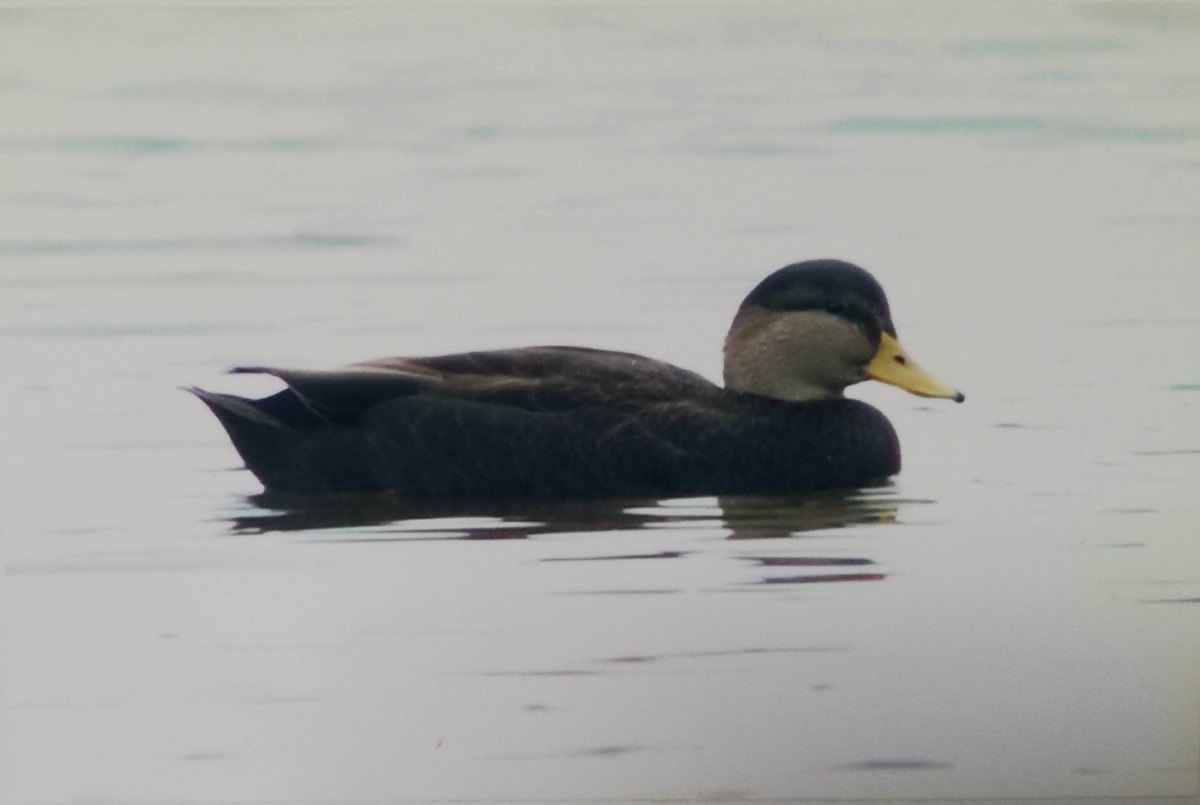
[
  {"x": 546, "y": 422},
  {"x": 563, "y": 422}
]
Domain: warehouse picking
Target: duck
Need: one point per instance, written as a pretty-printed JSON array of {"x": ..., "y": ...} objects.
[{"x": 563, "y": 422}]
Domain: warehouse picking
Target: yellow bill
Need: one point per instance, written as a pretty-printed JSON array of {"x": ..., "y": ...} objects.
[{"x": 892, "y": 365}]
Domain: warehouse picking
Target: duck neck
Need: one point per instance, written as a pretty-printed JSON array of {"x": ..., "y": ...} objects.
[{"x": 797, "y": 356}]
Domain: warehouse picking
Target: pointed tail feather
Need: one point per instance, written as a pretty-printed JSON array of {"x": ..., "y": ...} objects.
[
  {"x": 230, "y": 406},
  {"x": 260, "y": 439}
]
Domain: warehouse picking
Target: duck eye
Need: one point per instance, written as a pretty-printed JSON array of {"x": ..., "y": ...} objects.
[{"x": 900, "y": 359}]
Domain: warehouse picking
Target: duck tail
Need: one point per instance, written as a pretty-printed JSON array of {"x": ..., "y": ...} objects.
[
  {"x": 258, "y": 433},
  {"x": 231, "y": 408}
]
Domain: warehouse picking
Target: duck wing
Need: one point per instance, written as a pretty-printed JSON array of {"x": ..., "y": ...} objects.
[
  {"x": 532, "y": 421},
  {"x": 528, "y": 379},
  {"x": 555, "y": 376}
]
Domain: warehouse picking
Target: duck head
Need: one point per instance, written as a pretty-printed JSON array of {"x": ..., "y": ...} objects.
[{"x": 811, "y": 329}]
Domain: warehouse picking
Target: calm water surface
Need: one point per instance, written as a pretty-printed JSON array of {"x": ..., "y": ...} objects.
[{"x": 1015, "y": 616}]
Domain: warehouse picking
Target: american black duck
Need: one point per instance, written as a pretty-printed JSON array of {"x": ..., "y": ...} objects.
[{"x": 563, "y": 422}]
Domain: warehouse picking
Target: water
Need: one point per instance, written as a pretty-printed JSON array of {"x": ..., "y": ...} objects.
[{"x": 1015, "y": 616}]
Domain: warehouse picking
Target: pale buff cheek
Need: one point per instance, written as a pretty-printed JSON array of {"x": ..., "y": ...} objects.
[{"x": 795, "y": 356}]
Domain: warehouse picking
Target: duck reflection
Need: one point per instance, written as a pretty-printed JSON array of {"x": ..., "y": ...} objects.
[{"x": 388, "y": 517}]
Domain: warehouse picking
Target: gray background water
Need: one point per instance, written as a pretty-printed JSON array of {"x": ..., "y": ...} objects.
[{"x": 1016, "y": 616}]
